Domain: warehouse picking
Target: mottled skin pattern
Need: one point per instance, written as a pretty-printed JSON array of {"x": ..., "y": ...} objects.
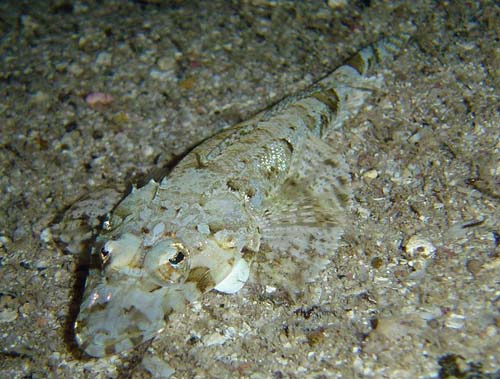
[{"x": 167, "y": 243}]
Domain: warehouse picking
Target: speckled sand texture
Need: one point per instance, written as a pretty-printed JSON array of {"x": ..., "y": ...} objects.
[{"x": 414, "y": 290}]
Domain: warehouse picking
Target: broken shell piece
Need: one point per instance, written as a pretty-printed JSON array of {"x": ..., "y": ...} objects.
[{"x": 455, "y": 321}]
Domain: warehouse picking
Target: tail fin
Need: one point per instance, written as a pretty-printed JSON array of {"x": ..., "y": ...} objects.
[
  {"x": 325, "y": 105},
  {"x": 345, "y": 89},
  {"x": 385, "y": 49}
]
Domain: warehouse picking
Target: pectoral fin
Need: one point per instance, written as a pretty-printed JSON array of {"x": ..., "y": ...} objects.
[{"x": 305, "y": 220}]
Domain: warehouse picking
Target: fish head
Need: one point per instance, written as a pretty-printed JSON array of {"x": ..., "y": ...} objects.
[
  {"x": 140, "y": 278},
  {"x": 129, "y": 296}
]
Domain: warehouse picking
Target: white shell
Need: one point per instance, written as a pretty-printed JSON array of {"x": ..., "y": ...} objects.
[{"x": 418, "y": 246}]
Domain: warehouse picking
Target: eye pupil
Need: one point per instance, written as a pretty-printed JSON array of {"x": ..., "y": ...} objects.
[
  {"x": 105, "y": 254},
  {"x": 179, "y": 257}
]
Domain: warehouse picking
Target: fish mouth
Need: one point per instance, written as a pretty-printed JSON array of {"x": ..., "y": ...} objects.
[
  {"x": 100, "y": 339},
  {"x": 113, "y": 320}
]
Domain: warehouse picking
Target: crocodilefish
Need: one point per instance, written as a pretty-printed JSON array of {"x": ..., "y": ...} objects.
[{"x": 270, "y": 186}]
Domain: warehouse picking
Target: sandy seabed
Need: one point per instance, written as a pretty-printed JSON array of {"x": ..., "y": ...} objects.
[{"x": 413, "y": 292}]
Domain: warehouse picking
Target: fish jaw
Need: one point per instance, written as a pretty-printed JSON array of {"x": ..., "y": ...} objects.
[{"x": 114, "y": 319}]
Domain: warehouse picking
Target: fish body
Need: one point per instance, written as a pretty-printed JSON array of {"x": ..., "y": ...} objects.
[{"x": 238, "y": 193}]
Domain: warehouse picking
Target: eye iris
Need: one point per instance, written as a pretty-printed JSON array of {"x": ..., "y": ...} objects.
[{"x": 177, "y": 259}]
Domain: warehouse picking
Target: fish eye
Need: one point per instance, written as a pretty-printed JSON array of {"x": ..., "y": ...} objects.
[
  {"x": 168, "y": 261},
  {"x": 105, "y": 255},
  {"x": 178, "y": 258}
]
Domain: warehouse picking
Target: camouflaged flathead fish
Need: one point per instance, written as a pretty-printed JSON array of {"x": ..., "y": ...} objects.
[{"x": 270, "y": 185}]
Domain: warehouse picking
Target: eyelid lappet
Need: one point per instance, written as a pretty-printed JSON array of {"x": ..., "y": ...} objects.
[{"x": 270, "y": 185}]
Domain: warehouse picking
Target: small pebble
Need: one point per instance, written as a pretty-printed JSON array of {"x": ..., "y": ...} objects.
[
  {"x": 29, "y": 24},
  {"x": 433, "y": 323},
  {"x": 104, "y": 59},
  {"x": 40, "y": 98},
  {"x": 214, "y": 339},
  {"x": 370, "y": 175},
  {"x": 167, "y": 62},
  {"x": 203, "y": 229},
  {"x": 148, "y": 151},
  {"x": 377, "y": 262},
  {"x": 160, "y": 75},
  {"x": 4, "y": 240},
  {"x": 157, "y": 367},
  {"x": 8, "y": 315},
  {"x": 334, "y": 4},
  {"x": 315, "y": 337},
  {"x": 46, "y": 235},
  {"x": 75, "y": 69},
  {"x": 96, "y": 99},
  {"x": 187, "y": 83},
  {"x": 473, "y": 266}
]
